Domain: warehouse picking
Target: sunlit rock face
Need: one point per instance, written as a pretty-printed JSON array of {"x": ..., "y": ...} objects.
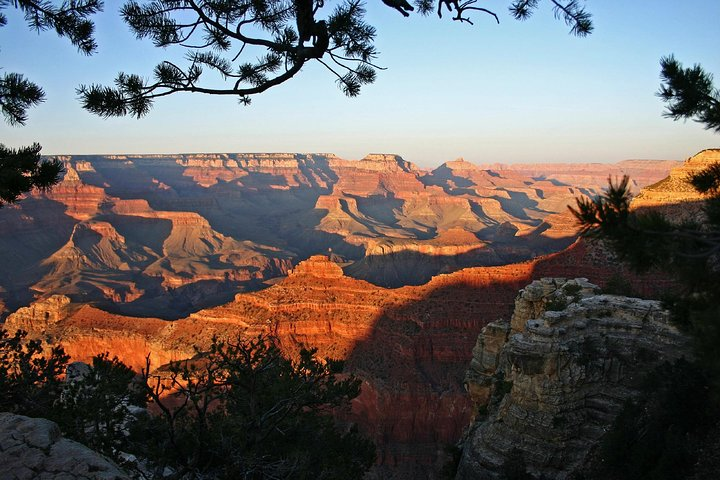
[
  {"x": 166, "y": 235},
  {"x": 548, "y": 382},
  {"x": 675, "y": 196},
  {"x": 590, "y": 175}
]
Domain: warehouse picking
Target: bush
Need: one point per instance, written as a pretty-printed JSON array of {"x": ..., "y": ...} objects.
[
  {"x": 31, "y": 379},
  {"x": 239, "y": 410},
  {"x": 243, "y": 410},
  {"x": 656, "y": 436}
]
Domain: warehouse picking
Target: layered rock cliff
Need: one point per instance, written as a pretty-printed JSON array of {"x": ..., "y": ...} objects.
[{"x": 548, "y": 382}]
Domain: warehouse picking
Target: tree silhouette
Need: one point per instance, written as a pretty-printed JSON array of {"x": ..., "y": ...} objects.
[
  {"x": 23, "y": 169},
  {"x": 254, "y": 45},
  {"x": 689, "y": 93},
  {"x": 663, "y": 433},
  {"x": 648, "y": 239},
  {"x": 242, "y": 409},
  {"x": 69, "y": 19}
]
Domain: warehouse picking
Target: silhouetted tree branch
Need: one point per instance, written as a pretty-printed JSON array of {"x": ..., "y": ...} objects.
[
  {"x": 69, "y": 19},
  {"x": 286, "y": 36},
  {"x": 22, "y": 170},
  {"x": 689, "y": 93}
]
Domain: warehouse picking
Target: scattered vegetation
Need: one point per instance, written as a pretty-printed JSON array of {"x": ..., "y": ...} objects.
[
  {"x": 619, "y": 285},
  {"x": 555, "y": 303},
  {"x": 658, "y": 434},
  {"x": 515, "y": 468},
  {"x": 238, "y": 410}
]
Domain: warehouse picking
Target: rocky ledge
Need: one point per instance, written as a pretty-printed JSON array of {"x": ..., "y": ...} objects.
[
  {"x": 548, "y": 384},
  {"x": 32, "y": 448}
]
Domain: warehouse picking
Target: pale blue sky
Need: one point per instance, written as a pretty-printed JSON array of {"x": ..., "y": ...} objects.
[{"x": 514, "y": 92}]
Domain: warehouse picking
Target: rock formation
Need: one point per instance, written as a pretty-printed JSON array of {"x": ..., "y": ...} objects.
[
  {"x": 591, "y": 175},
  {"x": 33, "y": 449},
  {"x": 548, "y": 382}
]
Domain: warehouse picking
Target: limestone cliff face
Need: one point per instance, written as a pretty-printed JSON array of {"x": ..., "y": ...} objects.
[
  {"x": 548, "y": 383},
  {"x": 39, "y": 316}
]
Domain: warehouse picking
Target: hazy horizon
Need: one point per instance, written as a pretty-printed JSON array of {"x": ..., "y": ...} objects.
[
  {"x": 518, "y": 92},
  {"x": 404, "y": 157}
]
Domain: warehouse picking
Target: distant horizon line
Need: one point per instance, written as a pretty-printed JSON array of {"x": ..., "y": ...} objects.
[{"x": 170, "y": 154}]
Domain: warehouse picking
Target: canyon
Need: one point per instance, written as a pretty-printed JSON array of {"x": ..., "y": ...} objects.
[
  {"x": 167, "y": 235},
  {"x": 410, "y": 346},
  {"x": 398, "y": 273}
]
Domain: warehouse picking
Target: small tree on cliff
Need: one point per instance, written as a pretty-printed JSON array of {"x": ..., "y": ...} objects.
[
  {"x": 30, "y": 378},
  {"x": 92, "y": 408},
  {"x": 244, "y": 410}
]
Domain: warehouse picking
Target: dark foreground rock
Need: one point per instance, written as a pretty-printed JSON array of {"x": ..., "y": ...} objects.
[{"x": 33, "y": 448}]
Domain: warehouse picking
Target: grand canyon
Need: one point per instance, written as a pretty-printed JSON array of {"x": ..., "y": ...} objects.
[
  {"x": 392, "y": 268},
  {"x": 167, "y": 235}
]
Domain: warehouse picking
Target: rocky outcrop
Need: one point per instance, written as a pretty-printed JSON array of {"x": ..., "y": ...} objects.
[
  {"x": 548, "y": 383},
  {"x": 33, "y": 449},
  {"x": 40, "y": 316},
  {"x": 317, "y": 266}
]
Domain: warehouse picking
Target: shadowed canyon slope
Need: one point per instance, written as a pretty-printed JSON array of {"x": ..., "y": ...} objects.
[{"x": 166, "y": 235}]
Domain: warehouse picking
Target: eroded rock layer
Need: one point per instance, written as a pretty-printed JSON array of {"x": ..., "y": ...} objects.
[
  {"x": 549, "y": 382},
  {"x": 675, "y": 196}
]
